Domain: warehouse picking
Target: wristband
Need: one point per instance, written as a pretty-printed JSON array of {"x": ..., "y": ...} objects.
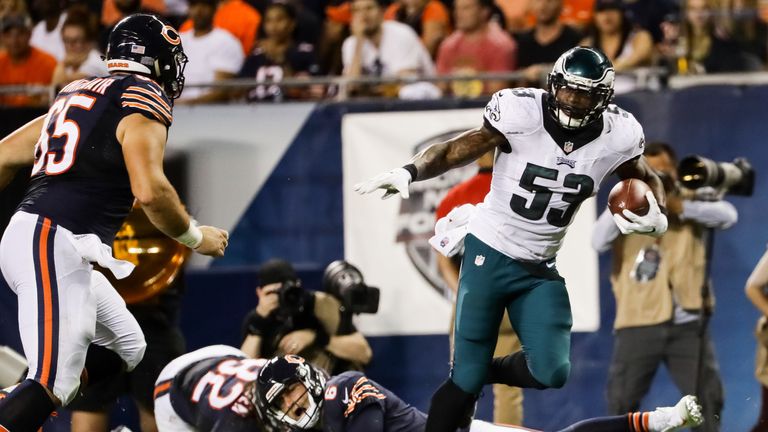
[
  {"x": 322, "y": 338},
  {"x": 192, "y": 238},
  {"x": 411, "y": 168}
]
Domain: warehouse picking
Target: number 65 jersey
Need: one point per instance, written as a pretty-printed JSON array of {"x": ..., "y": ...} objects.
[
  {"x": 79, "y": 179},
  {"x": 545, "y": 172}
]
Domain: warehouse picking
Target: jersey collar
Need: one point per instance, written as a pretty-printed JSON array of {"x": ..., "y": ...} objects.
[{"x": 569, "y": 140}]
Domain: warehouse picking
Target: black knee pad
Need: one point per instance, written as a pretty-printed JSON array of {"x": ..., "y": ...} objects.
[
  {"x": 102, "y": 364},
  {"x": 26, "y": 408},
  {"x": 513, "y": 370}
]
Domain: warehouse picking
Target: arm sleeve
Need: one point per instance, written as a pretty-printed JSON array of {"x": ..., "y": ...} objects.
[
  {"x": 605, "y": 232},
  {"x": 145, "y": 97},
  {"x": 368, "y": 419},
  {"x": 712, "y": 214}
]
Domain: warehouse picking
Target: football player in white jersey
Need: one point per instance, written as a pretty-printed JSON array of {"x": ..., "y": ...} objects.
[{"x": 553, "y": 149}]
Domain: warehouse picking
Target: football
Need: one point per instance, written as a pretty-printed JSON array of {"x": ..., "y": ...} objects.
[{"x": 629, "y": 194}]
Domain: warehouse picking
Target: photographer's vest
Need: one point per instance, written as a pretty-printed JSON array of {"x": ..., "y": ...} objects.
[{"x": 678, "y": 278}]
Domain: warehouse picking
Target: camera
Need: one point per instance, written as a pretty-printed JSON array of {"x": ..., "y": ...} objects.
[
  {"x": 736, "y": 178},
  {"x": 345, "y": 281},
  {"x": 292, "y": 297}
]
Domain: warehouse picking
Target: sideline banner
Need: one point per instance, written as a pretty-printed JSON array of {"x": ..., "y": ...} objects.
[{"x": 387, "y": 239}]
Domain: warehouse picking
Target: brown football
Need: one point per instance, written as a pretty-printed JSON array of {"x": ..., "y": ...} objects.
[{"x": 629, "y": 194}]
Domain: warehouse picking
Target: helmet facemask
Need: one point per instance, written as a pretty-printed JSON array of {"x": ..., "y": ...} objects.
[
  {"x": 576, "y": 104},
  {"x": 170, "y": 71},
  {"x": 274, "y": 381}
]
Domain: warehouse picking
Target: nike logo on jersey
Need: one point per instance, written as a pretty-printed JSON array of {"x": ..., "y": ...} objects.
[
  {"x": 345, "y": 401},
  {"x": 551, "y": 264}
]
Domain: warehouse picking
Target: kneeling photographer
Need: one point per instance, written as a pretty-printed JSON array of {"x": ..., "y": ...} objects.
[
  {"x": 292, "y": 320},
  {"x": 661, "y": 285}
]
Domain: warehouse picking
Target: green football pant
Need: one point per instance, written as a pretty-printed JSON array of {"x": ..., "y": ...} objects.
[{"x": 534, "y": 294}]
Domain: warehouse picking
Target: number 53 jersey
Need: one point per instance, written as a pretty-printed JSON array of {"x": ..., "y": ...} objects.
[
  {"x": 79, "y": 179},
  {"x": 545, "y": 172}
]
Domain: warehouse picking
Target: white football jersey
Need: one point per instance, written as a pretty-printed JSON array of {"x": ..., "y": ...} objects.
[{"x": 539, "y": 181}]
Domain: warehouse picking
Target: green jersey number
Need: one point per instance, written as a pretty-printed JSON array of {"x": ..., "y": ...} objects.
[{"x": 581, "y": 184}]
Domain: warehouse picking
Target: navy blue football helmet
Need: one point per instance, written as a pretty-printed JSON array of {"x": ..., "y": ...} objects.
[
  {"x": 276, "y": 377},
  {"x": 144, "y": 44}
]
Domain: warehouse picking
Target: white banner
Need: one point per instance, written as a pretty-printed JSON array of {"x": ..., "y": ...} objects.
[{"x": 386, "y": 239}]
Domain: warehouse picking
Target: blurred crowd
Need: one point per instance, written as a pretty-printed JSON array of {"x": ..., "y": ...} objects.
[{"x": 53, "y": 42}]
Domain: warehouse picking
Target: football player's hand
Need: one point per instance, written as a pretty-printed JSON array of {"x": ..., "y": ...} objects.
[
  {"x": 393, "y": 182},
  {"x": 215, "y": 241},
  {"x": 654, "y": 223},
  {"x": 269, "y": 300},
  {"x": 297, "y": 341}
]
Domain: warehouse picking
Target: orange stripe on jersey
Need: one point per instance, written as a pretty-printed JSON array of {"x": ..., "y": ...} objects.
[
  {"x": 156, "y": 97},
  {"x": 146, "y": 108},
  {"x": 135, "y": 97},
  {"x": 161, "y": 388},
  {"x": 47, "y": 305},
  {"x": 645, "y": 421}
]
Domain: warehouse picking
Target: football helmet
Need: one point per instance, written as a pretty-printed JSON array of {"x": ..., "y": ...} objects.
[
  {"x": 143, "y": 44},
  {"x": 580, "y": 87},
  {"x": 277, "y": 376}
]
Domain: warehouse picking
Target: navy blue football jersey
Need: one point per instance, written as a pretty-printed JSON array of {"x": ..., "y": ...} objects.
[
  {"x": 350, "y": 392},
  {"x": 299, "y": 59},
  {"x": 79, "y": 179},
  {"x": 212, "y": 394}
]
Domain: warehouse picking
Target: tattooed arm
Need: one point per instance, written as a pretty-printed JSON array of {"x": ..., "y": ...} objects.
[
  {"x": 459, "y": 151},
  {"x": 435, "y": 160}
]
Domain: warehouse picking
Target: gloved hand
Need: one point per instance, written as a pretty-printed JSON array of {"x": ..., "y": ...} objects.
[
  {"x": 654, "y": 223},
  {"x": 393, "y": 182}
]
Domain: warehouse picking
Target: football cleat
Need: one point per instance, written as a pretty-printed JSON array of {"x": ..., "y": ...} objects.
[{"x": 686, "y": 413}]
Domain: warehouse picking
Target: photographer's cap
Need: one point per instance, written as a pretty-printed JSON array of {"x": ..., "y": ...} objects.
[{"x": 276, "y": 271}]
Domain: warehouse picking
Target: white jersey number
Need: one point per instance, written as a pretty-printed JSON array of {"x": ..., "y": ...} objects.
[
  {"x": 583, "y": 186},
  {"x": 62, "y": 127}
]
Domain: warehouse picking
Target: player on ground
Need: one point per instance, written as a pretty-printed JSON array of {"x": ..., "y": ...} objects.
[
  {"x": 211, "y": 389},
  {"x": 290, "y": 395},
  {"x": 553, "y": 149},
  {"x": 100, "y": 145}
]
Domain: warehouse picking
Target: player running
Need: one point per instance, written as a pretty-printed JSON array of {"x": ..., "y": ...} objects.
[
  {"x": 99, "y": 146},
  {"x": 553, "y": 148}
]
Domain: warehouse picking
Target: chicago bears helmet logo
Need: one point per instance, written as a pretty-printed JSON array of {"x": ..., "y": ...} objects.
[{"x": 170, "y": 34}]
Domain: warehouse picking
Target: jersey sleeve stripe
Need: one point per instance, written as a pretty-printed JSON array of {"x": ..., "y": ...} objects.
[
  {"x": 145, "y": 108},
  {"x": 152, "y": 94},
  {"x": 134, "y": 97}
]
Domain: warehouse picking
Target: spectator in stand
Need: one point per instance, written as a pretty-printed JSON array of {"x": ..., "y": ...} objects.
[
  {"x": 309, "y": 27},
  {"x": 277, "y": 56},
  {"x": 539, "y": 47},
  {"x": 428, "y": 18},
  {"x": 238, "y": 18},
  {"x": 627, "y": 47},
  {"x": 713, "y": 45},
  {"x": 46, "y": 35},
  {"x": 385, "y": 49},
  {"x": 214, "y": 55},
  {"x": 335, "y": 29},
  {"x": 123, "y": 8},
  {"x": 477, "y": 45},
  {"x": 111, "y": 13},
  {"x": 21, "y": 63},
  {"x": 520, "y": 15},
  {"x": 81, "y": 59}
]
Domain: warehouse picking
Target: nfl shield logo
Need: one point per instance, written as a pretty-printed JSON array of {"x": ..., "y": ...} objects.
[
  {"x": 479, "y": 260},
  {"x": 568, "y": 147}
]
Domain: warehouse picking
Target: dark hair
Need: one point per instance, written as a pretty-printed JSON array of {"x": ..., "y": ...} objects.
[
  {"x": 657, "y": 147},
  {"x": 84, "y": 20},
  {"x": 276, "y": 271},
  {"x": 287, "y": 8},
  {"x": 626, "y": 29}
]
